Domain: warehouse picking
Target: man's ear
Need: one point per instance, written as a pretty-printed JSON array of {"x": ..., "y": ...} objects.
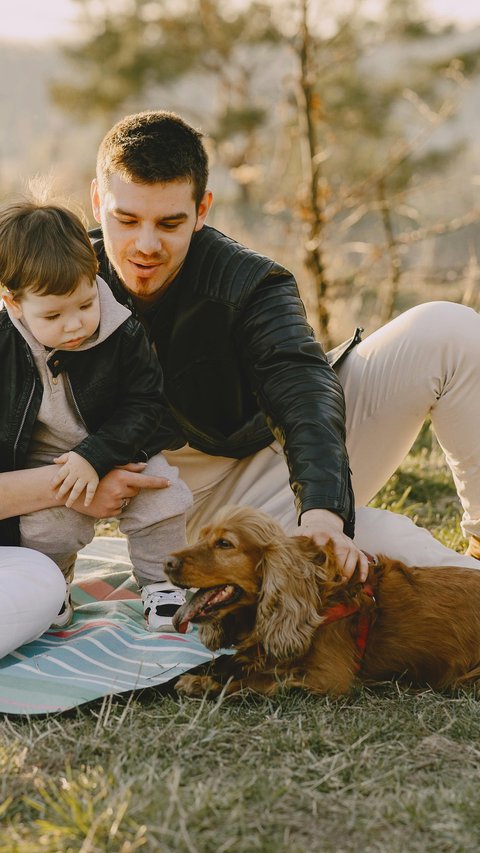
[
  {"x": 203, "y": 209},
  {"x": 14, "y": 307},
  {"x": 95, "y": 199}
]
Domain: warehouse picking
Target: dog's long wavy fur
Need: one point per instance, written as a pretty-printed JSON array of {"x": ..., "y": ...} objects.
[{"x": 424, "y": 622}]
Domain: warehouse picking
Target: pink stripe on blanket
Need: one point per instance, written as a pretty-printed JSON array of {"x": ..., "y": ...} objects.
[{"x": 102, "y": 591}]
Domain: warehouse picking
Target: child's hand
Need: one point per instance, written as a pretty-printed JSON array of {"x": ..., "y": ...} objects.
[{"x": 75, "y": 475}]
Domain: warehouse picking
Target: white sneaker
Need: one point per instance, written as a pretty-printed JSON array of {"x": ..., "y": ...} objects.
[
  {"x": 160, "y": 603},
  {"x": 65, "y": 614}
]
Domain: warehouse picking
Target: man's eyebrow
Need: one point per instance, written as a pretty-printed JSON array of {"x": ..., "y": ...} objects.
[
  {"x": 119, "y": 211},
  {"x": 171, "y": 217}
]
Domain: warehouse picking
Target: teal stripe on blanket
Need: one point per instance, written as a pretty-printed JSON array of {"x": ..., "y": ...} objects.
[{"x": 106, "y": 650}]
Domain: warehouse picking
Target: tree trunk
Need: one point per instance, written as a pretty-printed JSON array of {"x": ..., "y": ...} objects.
[{"x": 313, "y": 257}]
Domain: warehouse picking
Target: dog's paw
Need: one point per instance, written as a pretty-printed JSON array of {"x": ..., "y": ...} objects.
[{"x": 196, "y": 686}]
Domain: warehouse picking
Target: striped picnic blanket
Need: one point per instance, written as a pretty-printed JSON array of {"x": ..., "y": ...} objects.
[{"x": 106, "y": 650}]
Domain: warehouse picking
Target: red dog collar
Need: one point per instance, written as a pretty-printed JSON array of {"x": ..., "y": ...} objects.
[{"x": 342, "y": 611}]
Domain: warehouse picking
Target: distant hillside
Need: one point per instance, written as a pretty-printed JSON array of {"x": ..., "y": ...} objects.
[{"x": 31, "y": 127}]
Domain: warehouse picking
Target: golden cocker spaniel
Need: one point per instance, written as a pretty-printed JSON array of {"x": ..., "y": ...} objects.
[{"x": 294, "y": 621}]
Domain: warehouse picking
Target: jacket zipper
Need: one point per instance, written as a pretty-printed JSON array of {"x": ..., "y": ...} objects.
[
  {"x": 25, "y": 413},
  {"x": 67, "y": 378}
]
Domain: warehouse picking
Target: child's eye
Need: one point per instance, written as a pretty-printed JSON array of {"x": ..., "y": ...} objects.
[
  {"x": 86, "y": 307},
  {"x": 52, "y": 317}
]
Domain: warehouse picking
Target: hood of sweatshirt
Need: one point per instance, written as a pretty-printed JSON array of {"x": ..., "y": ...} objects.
[{"x": 112, "y": 315}]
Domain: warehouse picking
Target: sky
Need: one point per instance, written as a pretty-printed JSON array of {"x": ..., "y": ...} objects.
[
  {"x": 36, "y": 20},
  {"x": 39, "y": 20}
]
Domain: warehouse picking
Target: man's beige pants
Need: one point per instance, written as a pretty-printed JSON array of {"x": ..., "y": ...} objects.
[{"x": 425, "y": 362}]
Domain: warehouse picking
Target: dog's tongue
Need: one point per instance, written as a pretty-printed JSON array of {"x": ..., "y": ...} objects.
[
  {"x": 188, "y": 611},
  {"x": 197, "y": 603}
]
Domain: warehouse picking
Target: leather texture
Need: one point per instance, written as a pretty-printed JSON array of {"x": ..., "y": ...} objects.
[
  {"x": 117, "y": 388},
  {"x": 241, "y": 366}
]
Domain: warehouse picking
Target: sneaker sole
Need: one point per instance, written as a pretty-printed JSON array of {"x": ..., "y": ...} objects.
[{"x": 64, "y": 621}]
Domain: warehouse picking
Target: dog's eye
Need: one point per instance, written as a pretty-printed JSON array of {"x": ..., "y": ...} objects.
[{"x": 223, "y": 543}]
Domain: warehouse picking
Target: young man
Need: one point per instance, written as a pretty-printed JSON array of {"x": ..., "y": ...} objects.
[
  {"x": 81, "y": 388},
  {"x": 252, "y": 393}
]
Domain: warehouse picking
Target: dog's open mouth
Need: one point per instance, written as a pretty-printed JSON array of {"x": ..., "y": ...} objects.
[{"x": 205, "y": 601}]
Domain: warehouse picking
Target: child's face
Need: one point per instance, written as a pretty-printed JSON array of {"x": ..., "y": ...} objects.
[{"x": 60, "y": 322}]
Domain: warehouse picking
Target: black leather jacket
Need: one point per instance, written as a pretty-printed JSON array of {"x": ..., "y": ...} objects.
[
  {"x": 241, "y": 365},
  {"x": 117, "y": 389}
]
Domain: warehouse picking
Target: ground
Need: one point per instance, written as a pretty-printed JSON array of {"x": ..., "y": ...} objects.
[{"x": 384, "y": 770}]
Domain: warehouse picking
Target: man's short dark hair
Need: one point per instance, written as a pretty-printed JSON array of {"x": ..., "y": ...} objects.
[{"x": 151, "y": 147}]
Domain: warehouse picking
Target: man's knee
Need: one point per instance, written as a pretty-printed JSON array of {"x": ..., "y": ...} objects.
[{"x": 448, "y": 321}]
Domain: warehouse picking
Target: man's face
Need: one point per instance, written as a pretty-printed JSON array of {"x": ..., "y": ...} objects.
[{"x": 147, "y": 229}]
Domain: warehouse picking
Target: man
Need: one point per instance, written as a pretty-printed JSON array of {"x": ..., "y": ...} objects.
[{"x": 255, "y": 401}]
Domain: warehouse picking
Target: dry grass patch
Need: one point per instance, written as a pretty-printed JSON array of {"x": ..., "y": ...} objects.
[{"x": 384, "y": 770}]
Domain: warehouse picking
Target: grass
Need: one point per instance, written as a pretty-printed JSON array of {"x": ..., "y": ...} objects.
[{"x": 384, "y": 770}]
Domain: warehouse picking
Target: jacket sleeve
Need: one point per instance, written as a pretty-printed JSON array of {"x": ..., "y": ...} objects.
[
  {"x": 299, "y": 394},
  {"x": 141, "y": 424}
]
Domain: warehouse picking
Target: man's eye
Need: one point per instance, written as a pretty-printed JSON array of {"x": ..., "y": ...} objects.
[
  {"x": 126, "y": 221},
  {"x": 223, "y": 543},
  {"x": 170, "y": 226}
]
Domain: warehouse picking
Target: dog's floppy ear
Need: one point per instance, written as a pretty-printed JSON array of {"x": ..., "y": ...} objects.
[{"x": 287, "y": 614}]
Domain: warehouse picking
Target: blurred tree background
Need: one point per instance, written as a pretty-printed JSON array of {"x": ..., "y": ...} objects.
[{"x": 330, "y": 131}]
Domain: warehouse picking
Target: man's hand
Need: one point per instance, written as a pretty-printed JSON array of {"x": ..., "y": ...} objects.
[
  {"x": 324, "y": 526},
  {"x": 75, "y": 476},
  {"x": 117, "y": 486}
]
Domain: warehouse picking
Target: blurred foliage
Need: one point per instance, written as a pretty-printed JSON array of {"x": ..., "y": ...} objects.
[
  {"x": 133, "y": 46},
  {"x": 143, "y": 43},
  {"x": 237, "y": 120},
  {"x": 368, "y": 124},
  {"x": 406, "y": 18}
]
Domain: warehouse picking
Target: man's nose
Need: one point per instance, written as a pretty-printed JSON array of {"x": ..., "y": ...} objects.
[{"x": 148, "y": 241}]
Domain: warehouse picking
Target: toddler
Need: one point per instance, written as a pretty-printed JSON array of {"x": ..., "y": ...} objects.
[{"x": 82, "y": 388}]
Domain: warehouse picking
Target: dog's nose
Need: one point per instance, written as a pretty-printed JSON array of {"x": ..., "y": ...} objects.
[{"x": 172, "y": 563}]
